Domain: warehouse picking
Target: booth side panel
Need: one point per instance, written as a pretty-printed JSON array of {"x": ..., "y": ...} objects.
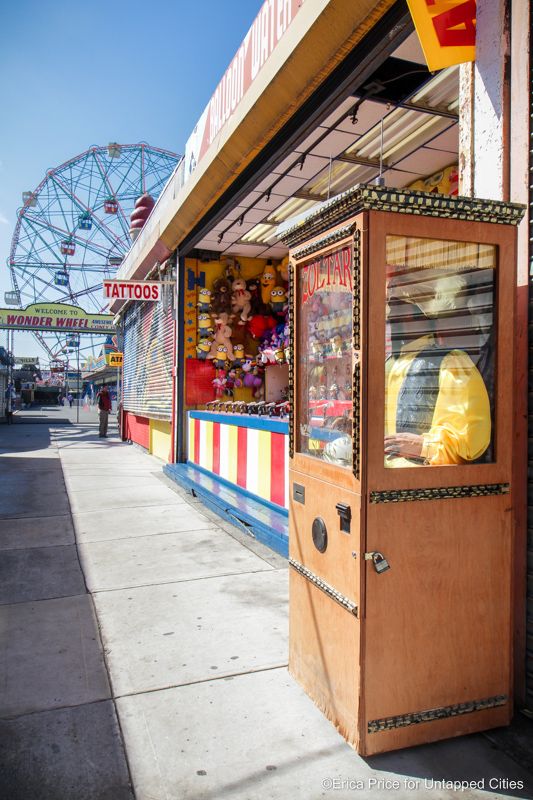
[
  {"x": 324, "y": 635},
  {"x": 326, "y": 666},
  {"x": 137, "y": 429}
]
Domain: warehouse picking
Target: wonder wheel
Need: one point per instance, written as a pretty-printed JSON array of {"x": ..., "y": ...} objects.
[{"x": 74, "y": 228}]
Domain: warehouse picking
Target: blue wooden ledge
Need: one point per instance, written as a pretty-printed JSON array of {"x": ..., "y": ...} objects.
[
  {"x": 266, "y": 524},
  {"x": 244, "y": 421}
]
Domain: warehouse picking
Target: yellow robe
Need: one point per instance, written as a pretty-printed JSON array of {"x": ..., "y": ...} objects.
[{"x": 461, "y": 425}]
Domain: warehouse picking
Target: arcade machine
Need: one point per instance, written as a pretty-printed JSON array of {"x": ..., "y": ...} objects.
[{"x": 400, "y": 445}]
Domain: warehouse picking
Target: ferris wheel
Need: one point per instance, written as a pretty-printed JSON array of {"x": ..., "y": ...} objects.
[{"x": 74, "y": 228}]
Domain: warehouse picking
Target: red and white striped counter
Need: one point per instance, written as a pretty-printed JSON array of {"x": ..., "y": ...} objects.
[{"x": 249, "y": 452}]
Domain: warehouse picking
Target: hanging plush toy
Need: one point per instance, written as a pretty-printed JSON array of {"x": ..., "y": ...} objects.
[
  {"x": 257, "y": 375},
  {"x": 259, "y": 324},
  {"x": 278, "y": 300},
  {"x": 221, "y": 358},
  {"x": 279, "y": 352},
  {"x": 221, "y": 297},
  {"x": 238, "y": 355},
  {"x": 204, "y": 300},
  {"x": 253, "y": 285},
  {"x": 265, "y": 352},
  {"x": 234, "y": 380},
  {"x": 268, "y": 281},
  {"x": 203, "y": 348},
  {"x": 232, "y": 270},
  {"x": 205, "y": 326},
  {"x": 222, "y": 337},
  {"x": 219, "y": 383},
  {"x": 286, "y": 335},
  {"x": 252, "y": 377},
  {"x": 240, "y": 300},
  {"x": 283, "y": 270}
]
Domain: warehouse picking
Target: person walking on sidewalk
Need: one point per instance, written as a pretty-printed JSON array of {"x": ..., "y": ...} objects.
[
  {"x": 10, "y": 397},
  {"x": 104, "y": 407}
]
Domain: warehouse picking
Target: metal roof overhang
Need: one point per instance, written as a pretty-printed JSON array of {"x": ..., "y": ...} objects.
[{"x": 319, "y": 39}]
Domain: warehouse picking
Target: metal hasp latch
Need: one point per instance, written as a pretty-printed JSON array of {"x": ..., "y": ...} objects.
[
  {"x": 298, "y": 493},
  {"x": 378, "y": 559},
  {"x": 345, "y": 513}
]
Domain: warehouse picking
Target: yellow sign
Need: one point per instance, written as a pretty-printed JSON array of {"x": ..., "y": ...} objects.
[
  {"x": 446, "y": 29},
  {"x": 114, "y": 359},
  {"x": 55, "y": 317}
]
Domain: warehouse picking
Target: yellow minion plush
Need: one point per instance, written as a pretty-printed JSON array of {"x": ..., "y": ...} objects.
[
  {"x": 205, "y": 326},
  {"x": 278, "y": 299},
  {"x": 268, "y": 282},
  {"x": 238, "y": 355},
  {"x": 204, "y": 300},
  {"x": 202, "y": 348},
  {"x": 221, "y": 357}
]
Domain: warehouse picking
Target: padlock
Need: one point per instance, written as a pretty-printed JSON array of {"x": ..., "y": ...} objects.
[{"x": 379, "y": 561}]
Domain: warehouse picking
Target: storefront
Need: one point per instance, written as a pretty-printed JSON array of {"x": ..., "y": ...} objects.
[
  {"x": 332, "y": 106},
  {"x": 148, "y": 335}
]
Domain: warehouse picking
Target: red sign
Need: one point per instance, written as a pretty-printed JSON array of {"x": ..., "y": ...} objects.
[
  {"x": 132, "y": 290},
  {"x": 328, "y": 272}
]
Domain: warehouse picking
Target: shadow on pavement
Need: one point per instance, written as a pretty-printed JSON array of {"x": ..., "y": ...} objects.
[
  {"x": 59, "y": 735},
  {"x": 461, "y": 761}
]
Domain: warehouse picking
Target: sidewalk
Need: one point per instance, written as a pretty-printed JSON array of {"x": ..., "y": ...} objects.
[{"x": 144, "y": 647}]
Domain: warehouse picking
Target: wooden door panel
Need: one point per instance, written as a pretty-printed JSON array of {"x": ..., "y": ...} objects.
[{"x": 437, "y": 628}]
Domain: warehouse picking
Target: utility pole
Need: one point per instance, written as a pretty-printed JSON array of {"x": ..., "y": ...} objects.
[{"x": 78, "y": 384}]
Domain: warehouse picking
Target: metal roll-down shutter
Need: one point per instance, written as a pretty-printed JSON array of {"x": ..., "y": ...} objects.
[{"x": 148, "y": 360}]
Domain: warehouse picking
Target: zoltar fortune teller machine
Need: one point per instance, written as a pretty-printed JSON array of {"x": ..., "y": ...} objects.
[{"x": 401, "y": 518}]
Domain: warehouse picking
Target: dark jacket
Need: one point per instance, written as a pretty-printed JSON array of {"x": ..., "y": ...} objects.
[{"x": 104, "y": 400}]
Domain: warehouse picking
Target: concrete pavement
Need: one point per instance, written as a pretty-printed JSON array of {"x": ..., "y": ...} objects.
[{"x": 144, "y": 647}]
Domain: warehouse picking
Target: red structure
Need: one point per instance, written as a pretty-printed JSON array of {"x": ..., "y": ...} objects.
[{"x": 143, "y": 208}]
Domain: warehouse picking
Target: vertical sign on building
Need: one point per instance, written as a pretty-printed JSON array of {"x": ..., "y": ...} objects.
[{"x": 446, "y": 30}]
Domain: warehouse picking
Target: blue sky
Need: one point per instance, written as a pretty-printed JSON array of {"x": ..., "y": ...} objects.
[{"x": 76, "y": 74}]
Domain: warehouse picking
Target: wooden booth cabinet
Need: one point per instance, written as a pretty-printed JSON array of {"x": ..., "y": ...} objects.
[{"x": 401, "y": 503}]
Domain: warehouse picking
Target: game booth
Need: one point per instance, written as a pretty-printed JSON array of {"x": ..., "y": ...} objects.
[{"x": 235, "y": 373}]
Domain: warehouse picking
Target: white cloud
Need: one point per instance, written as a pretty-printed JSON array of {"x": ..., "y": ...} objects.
[{"x": 3, "y": 220}]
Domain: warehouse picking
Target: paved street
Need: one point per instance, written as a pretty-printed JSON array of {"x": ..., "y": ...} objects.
[{"x": 144, "y": 647}]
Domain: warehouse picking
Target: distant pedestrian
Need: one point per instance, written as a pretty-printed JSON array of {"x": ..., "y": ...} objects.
[
  {"x": 70, "y": 399},
  {"x": 104, "y": 407},
  {"x": 10, "y": 397}
]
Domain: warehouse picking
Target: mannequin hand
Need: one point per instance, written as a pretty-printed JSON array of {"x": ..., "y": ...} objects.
[{"x": 408, "y": 445}]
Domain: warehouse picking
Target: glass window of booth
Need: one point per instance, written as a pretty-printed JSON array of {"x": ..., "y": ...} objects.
[
  {"x": 440, "y": 352},
  {"x": 325, "y": 357}
]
